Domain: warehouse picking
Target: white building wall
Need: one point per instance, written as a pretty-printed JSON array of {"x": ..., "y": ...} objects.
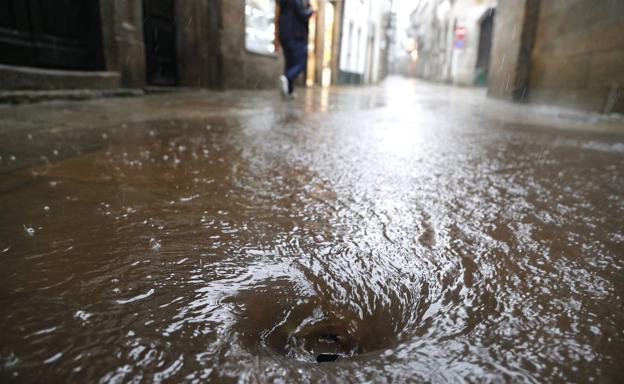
[
  {"x": 467, "y": 14},
  {"x": 378, "y": 31},
  {"x": 433, "y": 25},
  {"x": 362, "y": 23},
  {"x": 354, "y": 20}
]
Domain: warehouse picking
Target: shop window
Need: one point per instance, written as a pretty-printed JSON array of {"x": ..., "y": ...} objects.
[{"x": 260, "y": 26}]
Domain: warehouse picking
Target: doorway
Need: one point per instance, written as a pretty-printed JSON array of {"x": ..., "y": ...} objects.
[
  {"x": 313, "y": 34},
  {"x": 485, "y": 47},
  {"x": 320, "y": 44},
  {"x": 160, "y": 42},
  {"x": 60, "y": 34}
]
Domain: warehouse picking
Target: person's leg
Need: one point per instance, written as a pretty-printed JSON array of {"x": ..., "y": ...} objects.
[
  {"x": 284, "y": 84},
  {"x": 299, "y": 58},
  {"x": 287, "y": 49}
]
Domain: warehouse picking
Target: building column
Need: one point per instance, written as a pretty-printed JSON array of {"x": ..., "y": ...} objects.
[
  {"x": 337, "y": 40},
  {"x": 122, "y": 40},
  {"x": 240, "y": 67},
  {"x": 197, "y": 43},
  {"x": 510, "y": 65}
]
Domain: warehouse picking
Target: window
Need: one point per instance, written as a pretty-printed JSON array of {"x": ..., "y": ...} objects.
[{"x": 260, "y": 26}]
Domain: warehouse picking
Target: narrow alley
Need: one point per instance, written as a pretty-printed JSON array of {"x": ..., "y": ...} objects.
[{"x": 417, "y": 232}]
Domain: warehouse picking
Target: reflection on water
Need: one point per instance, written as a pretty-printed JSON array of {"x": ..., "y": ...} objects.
[{"x": 409, "y": 243}]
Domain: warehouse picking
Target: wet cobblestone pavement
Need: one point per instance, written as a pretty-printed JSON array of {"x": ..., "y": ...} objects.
[{"x": 401, "y": 233}]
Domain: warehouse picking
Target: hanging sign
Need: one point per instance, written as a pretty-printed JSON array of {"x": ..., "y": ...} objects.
[{"x": 460, "y": 37}]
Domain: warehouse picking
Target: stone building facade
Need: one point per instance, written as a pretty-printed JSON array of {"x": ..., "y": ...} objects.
[
  {"x": 109, "y": 44},
  {"x": 363, "y": 49},
  {"x": 568, "y": 53},
  {"x": 451, "y": 40}
]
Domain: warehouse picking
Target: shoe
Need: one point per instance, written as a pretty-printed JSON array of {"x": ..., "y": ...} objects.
[{"x": 283, "y": 86}]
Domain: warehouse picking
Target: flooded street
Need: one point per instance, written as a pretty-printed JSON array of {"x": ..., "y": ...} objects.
[{"x": 406, "y": 232}]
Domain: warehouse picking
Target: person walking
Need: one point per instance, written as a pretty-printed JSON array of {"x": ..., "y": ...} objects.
[{"x": 293, "y": 37}]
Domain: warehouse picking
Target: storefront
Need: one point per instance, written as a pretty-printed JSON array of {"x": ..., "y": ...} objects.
[
  {"x": 260, "y": 26},
  {"x": 97, "y": 44}
]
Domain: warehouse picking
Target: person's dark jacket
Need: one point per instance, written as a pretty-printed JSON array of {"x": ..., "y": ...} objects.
[{"x": 293, "y": 19}]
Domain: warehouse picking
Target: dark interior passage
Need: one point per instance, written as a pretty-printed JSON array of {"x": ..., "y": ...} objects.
[
  {"x": 62, "y": 34},
  {"x": 485, "y": 47},
  {"x": 160, "y": 43}
]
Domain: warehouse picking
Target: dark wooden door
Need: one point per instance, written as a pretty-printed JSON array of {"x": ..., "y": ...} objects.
[
  {"x": 62, "y": 34},
  {"x": 160, "y": 41}
]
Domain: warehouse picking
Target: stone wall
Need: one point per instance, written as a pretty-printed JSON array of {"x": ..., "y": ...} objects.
[
  {"x": 122, "y": 40},
  {"x": 560, "y": 52},
  {"x": 578, "y": 55},
  {"x": 197, "y": 43},
  {"x": 123, "y": 53},
  {"x": 210, "y": 50},
  {"x": 241, "y": 68},
  {"x": 510, "y": 62}
]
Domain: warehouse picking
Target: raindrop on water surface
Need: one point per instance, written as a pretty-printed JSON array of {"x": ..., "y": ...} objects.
[{"x": 30, "y": 231}]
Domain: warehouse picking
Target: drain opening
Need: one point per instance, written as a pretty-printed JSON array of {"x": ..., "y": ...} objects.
[
  {"x": 329, "y": 338},
  {"x": 321, "y": 345},
  {"x": 329, "y": 357}
]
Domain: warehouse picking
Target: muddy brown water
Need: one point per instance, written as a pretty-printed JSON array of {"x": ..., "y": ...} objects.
[{"x": 416, "y": 241}]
